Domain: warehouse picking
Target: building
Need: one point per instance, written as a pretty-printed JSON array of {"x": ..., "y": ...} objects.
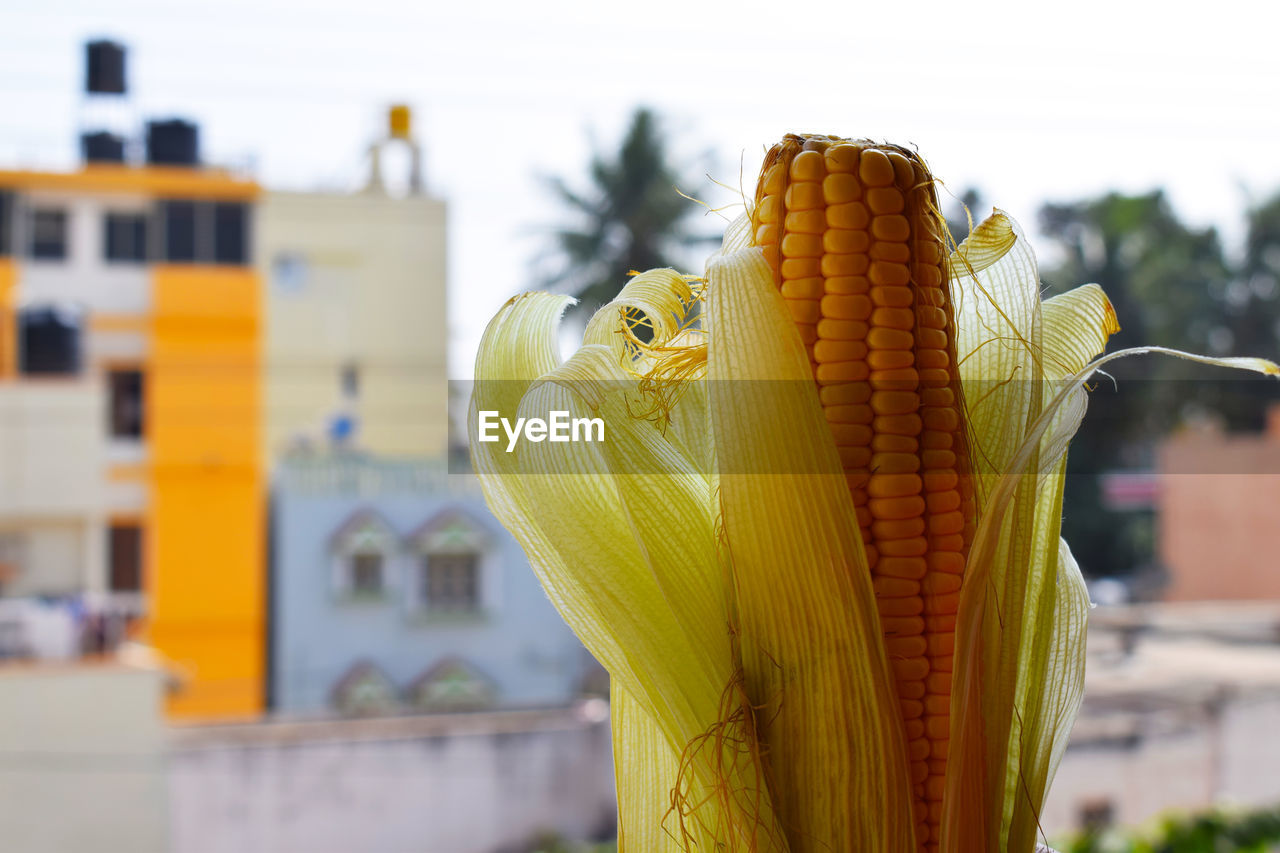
[
  {"x": 132, "y": 384},
  {"x": 1216, "y": 538},
  {"x": 395, "y": 590},
  {"x": 444, "y": 783},
  {"x": 132, "y": 485},
  {"x": 171, "y": 336},
  {"x": 356, "y": 326},
  {"x": 392, "y": 587},
  {"x": 1179, "y": 714},
  {"x": 94, "y": 777}
]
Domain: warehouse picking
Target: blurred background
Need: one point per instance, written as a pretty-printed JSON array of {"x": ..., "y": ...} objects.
[{"x": 247, "y": 604}]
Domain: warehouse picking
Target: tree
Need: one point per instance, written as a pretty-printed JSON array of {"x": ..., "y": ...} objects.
[
  {"x": 630, "y": 218},
  {"x": 969, "y": 204},
  {"x": 1171, "y": 285},
  {"x": 1252, "y": 300}
]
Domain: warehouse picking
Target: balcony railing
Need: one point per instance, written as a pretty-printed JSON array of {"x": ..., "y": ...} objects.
[{"x": 365, "y": 476}]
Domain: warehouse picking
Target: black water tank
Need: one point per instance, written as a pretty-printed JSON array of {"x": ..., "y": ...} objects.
[
  {"x": 102, "y": 147},
  {"x": 104, "y": 68},
  {"x": 174, "y": 142},
  {"x": 49, "y": 341}
]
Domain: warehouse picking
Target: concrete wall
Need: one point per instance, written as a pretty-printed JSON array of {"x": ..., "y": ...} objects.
[
  {"x": 1225, "y": 754},
  {"x": 469, "y": 783},
  {"x": 53, "y": 501},
  {"x": 82, "y": 759},
  {"x": 52, "y": 450},
  {"x": 518, "y": 641},
  {"x": 355, "y": 279},
  {"x": 1180, "y": 710},
  {"x": 52, "y": 556}
]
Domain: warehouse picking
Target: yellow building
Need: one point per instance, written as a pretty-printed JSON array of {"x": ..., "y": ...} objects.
[{"x": 130, "y": 400}]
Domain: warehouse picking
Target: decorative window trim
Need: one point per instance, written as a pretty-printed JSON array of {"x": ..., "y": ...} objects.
[
  {"x": 452, "y": 684},
  {"x": 452, "y": 532},
  {"x": 364, "y": 534},
  {"x": 365, "y": 689}
]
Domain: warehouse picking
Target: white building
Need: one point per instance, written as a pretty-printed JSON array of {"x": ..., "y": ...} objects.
[
  {"x": 357, "y": 334},
  {"x": 1180, "y": 714}
]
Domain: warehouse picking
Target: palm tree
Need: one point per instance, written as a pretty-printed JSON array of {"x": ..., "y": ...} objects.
[{"x": 631, "y": 217}]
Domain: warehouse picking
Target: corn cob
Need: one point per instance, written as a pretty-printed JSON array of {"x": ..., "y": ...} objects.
[{"x": 853, "y": 234}]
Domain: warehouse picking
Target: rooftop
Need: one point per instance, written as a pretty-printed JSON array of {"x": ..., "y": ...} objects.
[{"x": 1166, "y": 666}]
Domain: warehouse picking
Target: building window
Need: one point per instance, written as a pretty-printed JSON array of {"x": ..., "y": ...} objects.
[
  {"x": 452, "y": 574},
  {"x": 451, "y": 583},
  {"x": 124, "y": 557},
  {"x": 205, "y": 232},
  {"x": 6, "y": 223},
  {"x": 362, "y": 550},
  {"x": 48, "y": 234},
  {"x": 366, "y": 575},
  {"x": 125, "y": 237},
  {"x": 230, "y": 233},
  {"x": 125, "y": 388},
  {"x": 179, "y": 218},
  {"x": 1097, "y": 814},
  {"x": 49, "y": 341}
]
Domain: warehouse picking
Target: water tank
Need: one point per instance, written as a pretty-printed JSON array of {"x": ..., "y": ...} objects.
[
  {"x": 102, "y": 147},
  {"x": 104, "y": 68},
  {"x": 400, "y": 121},
  {"x": 49, "y": 340},
  {"x": 173, "y": 142}
]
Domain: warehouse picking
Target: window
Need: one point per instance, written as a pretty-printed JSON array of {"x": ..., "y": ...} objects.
[
  {"x": 125, "y": 405},
  {"x": 124, "y": 557},
  {"x": 366, "y": 574},
  {"x": 452, "y": 574},
  {"x": 6, "y": 223},
  {"x": 205, "y": 232},
  {"x": 48, "y": 234},
  {"x": 230, "y": 233},
  {"x": 363, "y": 552},
  {"x": 125, "y": 237},
  {"x": 451, "y": 583},
  {"x": 49, "y": 341},
  {"x": 179, "y": 219},
  {"x": 1097, "y": 814}
]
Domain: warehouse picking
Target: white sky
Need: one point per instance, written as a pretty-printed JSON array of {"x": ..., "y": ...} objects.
[{"x": 1028, "y": 101}]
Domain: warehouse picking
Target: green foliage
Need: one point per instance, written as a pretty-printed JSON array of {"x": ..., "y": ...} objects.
[
  {"x": 631, "y": 217},
  {"x": 555, "y": 844},
  {"x": 1172, "y": 285},
  {"x": 1211, "y": 832}
]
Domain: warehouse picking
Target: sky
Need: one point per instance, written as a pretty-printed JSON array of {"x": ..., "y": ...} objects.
[{"x": 1030, "y": 102}]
